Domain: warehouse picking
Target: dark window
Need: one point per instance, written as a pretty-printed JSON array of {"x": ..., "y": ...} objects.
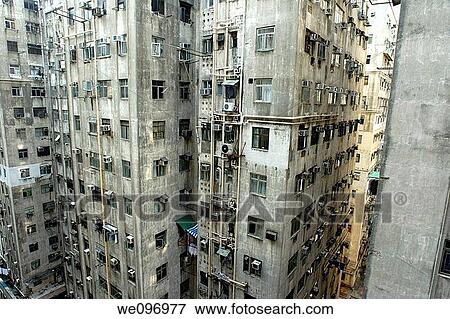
[
  {"x": 260, "y": 138},
  {"x": 161, "y": 239},
  {"x": 315, "y": 135},
  {"x": 34, "y": 49},
  {"x": 12, "y": 46},
  {"x": 158, "y": 90},
  {"x": 126, "y": 169},
  {"x": 292, "y": 264},
  {"x": 302, "y": 138},
  {"x": 445, "y": 266},
  {"x": 125, "y": 129},
  {"x": 161, "y": 272},
  {"x": 185, "y": 12},
  {"x": 158, "y": 6},
  {"x": 43, "y": 151},
  {"x": 33, "y": 247}
]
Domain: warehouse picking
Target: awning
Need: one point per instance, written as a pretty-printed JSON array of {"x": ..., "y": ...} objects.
[
  {"x": 374, "y": 175},
  {"x": 189, "y": 225},
  {"x": 230, "y": 82}
]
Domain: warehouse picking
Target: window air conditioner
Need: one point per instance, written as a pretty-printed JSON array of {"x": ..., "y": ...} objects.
[
  {"x": 207, "y": 91},
  {"x": 105, "y": 128},
  {"x": 328, "y": 12},
  {"x": 303, "y": 132},
  {"x": 107, "y": 159},
  {"x": 314, "y": 37},
  {"x": 256, "y": 265},
  {"x": 228, "y": 107}
]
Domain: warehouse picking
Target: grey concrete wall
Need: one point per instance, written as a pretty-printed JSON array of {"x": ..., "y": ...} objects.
[{"x": 403, "y": 262}]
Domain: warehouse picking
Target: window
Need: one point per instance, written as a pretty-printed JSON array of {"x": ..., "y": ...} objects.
[
  {"x": 10, "y": 24},
  {"x": 207, "y": 45},
  {"x": 21, "y": 133},
  {"x": 12, "y": 46},
  {"x": 159, "y": 130},
  {"x": 360, "y": 137},
  {"x": 35, "y": 264},
  {"x": 263, "y": 90},
  {"x": 24, "y": 173},
  {"x": 77, "y": 122},
  {"x": 185, "y": 12},
  {"x": 300, "y": 180},
  {"x": 292, "y": 263},
  {"x": 258, "y": 184},
  {"x": 255, "y": 227},
  {"x": 16, "y": 91},
  {"x": 265, "y": 39},
  {"x": 102, "y": 88},
  {"x": 122, "y": 4},
  {"x": 27, "y": 192},
  {"x": 445, "y": 265},
  {"x": 358, "y": 158},
  {"x": 122, "y": 45},
  {"x": 45, "y": 169},
  {"x": 23, "y": 153},
  {"x": 94, "y": 160},
  {"x": 34, "y": 49},
  {"x": 126, "y": 169},
  {"x": 31, "y": 229},
  {"x": 103, "y": 48},
  {"x": 19, "y": 112},
  {"x": 161, "y": 239},
  {"x": 209, "y": 3},
  {"x": 71, "y": 15},
  {"x": 128, "y": 205},
  {"x": 161, "y": 272},
  {"x": 260, "y": 138},
  {"x": 306, "y": 94},
  {"x": 157, "y": 46},
  {"x": 252, "y": 266},
  {"x": 53, "y": 240},
  {"x": 14, "y": 71},
  {"x": 205, "y": 172},
  {"x": 48, "y": 207},
  {"x": 302, "y": 138},
  {"x": 33, "y": 247},
  {"x": 31, "y": 5},
  {"x": 37, "y": 92},
  {"x": 159, "y": 168},
  {"x": 32, "y": 27},
  {"x": 366, "y": 80},
  {"x": 123, "y": 84},
  {"x": 368, "y": 59},
  {"x": 158, "y": 90},
  {"x": 295, "y": 225},
  {"x": 125, "y": 129},
  {"x": 158, "y": 6},
  {"x": 92, "y": 126},
  {"x": 332, "y": 97},
  {"x": 43, "y": 151},
  {"x": 184, "y": 90},
  {"x": 88, "y": 52},
  {"x": 47, "y": 188},
  {"x": 41, "y": 131}
]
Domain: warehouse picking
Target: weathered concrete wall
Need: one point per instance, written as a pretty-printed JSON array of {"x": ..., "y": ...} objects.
[{"x": 417, "y": 161}]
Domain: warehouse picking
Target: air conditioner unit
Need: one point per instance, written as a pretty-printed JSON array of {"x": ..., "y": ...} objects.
[
  {"x": 332, "y": 89},
  {"x": 316, "y": 169},
  {"x": 217, "y": 127},
  {"x": 228, "y": 128},
  {"x": 203, "y": 244},
  {"x": 130, "y": 240},
  {"x": 107, "y": 159},
  {"x": 328, "y": 12},
  {"x": 118, "y": 38},
  {"x": 362, "y": 15},
  {"x": 132, "y": 273},
  {"x": 90, "y": 187},
  {"x": 76, "y": 151},
  {"x": 306, "y": 83},
  {"x": 303, "y": 132},
  {"x": 89, "y": 278},
  {"x": 320, "y": 86},
  {"x": 207, "y": 91},
  {"x": 256, "y": 265},
  {"x": 98, "y": 12},
  {"x": 163, "y": 161},
  {"x": 105, "y": 128},
  {"x": 343, "y": 25},
  {"x": 314, "y": 37},
  {"x": 114, "y": 262},
  {"x": 271, "y": 235},
  {"x": 204, "y": 167},
  {"x": 237, "y": 71},
  {"x": 86, "y": 251},
  {"x": 229, "y": 107}
]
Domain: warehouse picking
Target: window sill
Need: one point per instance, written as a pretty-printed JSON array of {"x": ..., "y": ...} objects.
[
  {"x": 258, "y": 195},
  {"x": 264, "y": 50},
  {"x": 103, "y": 57},
  {"x": 255, "y": 237},
  {"x": 260, "y": 149},
  {"x": 263, "y": 102}
]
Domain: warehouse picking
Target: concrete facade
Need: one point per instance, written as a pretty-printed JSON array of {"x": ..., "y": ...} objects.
[
  {"x": 278, "y": 131},
  {"x": 30, "y": 249},
  {"x": 125, "y": 123},
  {"x": 416, "y": 161},
  {"x": 377, "y": 84}
]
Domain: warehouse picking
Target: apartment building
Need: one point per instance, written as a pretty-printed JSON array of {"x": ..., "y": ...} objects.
[
  {"x": 374, "y": 109},
  {"x": 123, "y": 100},
  {"x": 30, "y": 242},
  {"x": 281, "y": 88},
  {"x": 416, "y": 160}
]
